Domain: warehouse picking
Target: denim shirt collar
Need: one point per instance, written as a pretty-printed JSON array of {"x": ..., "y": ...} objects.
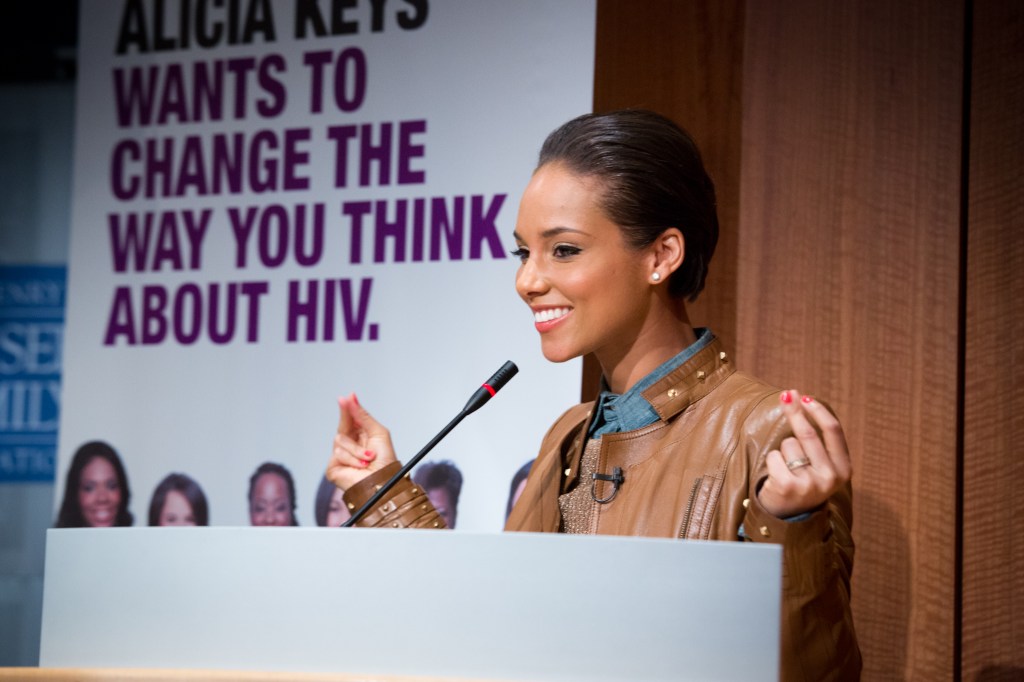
[{"x": 614, "y": 413}]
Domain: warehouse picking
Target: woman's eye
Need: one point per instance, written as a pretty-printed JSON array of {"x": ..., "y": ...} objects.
[
  {"x": 565, "y": 250},
  {"x": 521, "y": 254}
]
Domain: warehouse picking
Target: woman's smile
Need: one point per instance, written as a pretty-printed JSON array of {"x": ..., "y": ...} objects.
[{"x": 547, "y": 318}]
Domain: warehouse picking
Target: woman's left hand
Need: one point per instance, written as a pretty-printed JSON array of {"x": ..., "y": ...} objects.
[{"x": 807, "y": 468}]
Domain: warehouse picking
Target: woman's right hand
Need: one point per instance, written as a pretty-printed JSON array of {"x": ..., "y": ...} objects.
[{"x": 361, "y": 445}]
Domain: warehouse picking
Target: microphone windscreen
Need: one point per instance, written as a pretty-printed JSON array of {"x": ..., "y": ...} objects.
[
  {"x": 490, "y": 387},
  {"x": 502, "y": 376}
]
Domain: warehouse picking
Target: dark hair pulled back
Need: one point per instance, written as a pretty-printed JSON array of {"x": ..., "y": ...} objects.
[{"x": 654, "y": 179}]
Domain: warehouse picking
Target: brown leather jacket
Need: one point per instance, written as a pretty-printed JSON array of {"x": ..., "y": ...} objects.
[{"x": 694, "y": 474}]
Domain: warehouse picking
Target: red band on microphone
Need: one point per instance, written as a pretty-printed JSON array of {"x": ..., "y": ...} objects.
[{"x": 489, "y": 389}]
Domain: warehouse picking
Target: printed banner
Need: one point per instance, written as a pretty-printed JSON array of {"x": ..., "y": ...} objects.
[
  {"x": 31, "y": 336},
  {"x": 276, "y": 203}
]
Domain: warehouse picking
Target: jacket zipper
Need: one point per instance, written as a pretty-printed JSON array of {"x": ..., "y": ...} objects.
[{"x": 689, "y": 508}]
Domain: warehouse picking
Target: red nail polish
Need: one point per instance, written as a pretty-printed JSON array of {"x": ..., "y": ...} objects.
[
  {"x": 786, "y": 397},
  {"x": 807, "y": 399},
  {"x": 369, "y": 453}
]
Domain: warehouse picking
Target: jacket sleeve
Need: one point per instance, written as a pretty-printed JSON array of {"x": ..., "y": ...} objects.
[
  {"x": 404, "y": 506},
  {"x": 818, "y": 641}
]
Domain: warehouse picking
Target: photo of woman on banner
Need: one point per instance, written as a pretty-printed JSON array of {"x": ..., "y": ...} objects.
[
  {"x": 614, "y": 235},
  {"x": 178, "y": 501},
  {"x": 442, "y": 482},
  {"x": 96, "y": 493},
  {"x": 515, "y": 489},
  {"x": 329, "y": 507},
  {"x": 272, "y": 496}
]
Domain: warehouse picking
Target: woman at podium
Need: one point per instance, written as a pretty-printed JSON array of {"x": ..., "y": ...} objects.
[{"x": 614, "y": 234}]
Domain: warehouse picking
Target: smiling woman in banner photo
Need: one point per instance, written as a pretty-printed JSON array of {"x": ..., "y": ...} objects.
[
  {"x": 614, "y": 235},
  {"x": 272, "y": 496},
  {"x": 178, "y": 501},
  {"x": 329, "y": 506},
  {"x": 96, "y": 491}
]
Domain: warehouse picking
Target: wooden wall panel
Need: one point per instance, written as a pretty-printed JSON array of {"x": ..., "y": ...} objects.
[
  {"x": 838, "y": 272},
  {"x": 993, "y": 587},
  {"x": 847, "y": 281},
  {"x": 684, "y": 60}
]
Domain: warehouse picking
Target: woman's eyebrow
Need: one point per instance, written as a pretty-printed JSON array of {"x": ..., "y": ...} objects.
[{"x": 551, "y": 232}]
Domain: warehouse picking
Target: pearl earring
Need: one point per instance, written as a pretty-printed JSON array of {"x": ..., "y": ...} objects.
[{"x": 656, "y": 276}]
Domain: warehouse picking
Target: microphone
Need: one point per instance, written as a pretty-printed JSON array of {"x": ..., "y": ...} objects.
[
  {"x": 475, "y": 402},
  {"x": 490, "y": 387}
]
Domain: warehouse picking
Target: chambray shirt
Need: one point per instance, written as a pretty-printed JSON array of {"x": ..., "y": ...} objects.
[{"x": 616, "y": 413}]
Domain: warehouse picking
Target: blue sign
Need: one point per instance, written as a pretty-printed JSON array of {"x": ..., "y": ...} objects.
[{"x": 31, "y": 342}]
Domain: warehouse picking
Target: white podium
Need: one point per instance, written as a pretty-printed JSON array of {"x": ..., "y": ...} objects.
[{"x": 508, "y": 606}]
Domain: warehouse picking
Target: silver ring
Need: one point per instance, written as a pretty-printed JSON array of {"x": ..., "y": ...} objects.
[{"x": 797, "y": 463}]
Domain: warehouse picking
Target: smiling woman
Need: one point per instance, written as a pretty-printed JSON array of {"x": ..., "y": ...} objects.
[
  {"x": 178, "y": 501},
  {"x": 272, "y": 496},
  {"x": 581, "y": 279},
  {"x": 615, "y": 233},
  {"x": 96, "y": 490}
]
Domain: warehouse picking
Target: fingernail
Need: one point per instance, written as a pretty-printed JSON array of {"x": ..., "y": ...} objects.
[
  {"x": 807, "y": 399},
  {"x": 369, "y": 454},
  {"x": 355, "y": 399},
  {"x": 786, "y": 397}
]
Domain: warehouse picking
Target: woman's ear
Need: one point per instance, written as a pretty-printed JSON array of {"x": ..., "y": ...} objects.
[{"x": 668, "y": 251}]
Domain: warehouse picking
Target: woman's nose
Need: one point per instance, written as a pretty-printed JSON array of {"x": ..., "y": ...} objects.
[{"x": 530, "y": 282}]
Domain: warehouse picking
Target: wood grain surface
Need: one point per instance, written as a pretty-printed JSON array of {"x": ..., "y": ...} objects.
[
  {"x": 848, "y": 281},
  {"x": 684, "y": 60},
  {"x": 841, "y": 272},
  {"x": 993, "y": 580}
]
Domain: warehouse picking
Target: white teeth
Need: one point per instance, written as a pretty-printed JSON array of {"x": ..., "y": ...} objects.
[{"x": 550, "y": 314}]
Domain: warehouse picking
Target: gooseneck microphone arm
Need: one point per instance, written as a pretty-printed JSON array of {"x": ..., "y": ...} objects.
[{"x": 475, "y": 402}]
